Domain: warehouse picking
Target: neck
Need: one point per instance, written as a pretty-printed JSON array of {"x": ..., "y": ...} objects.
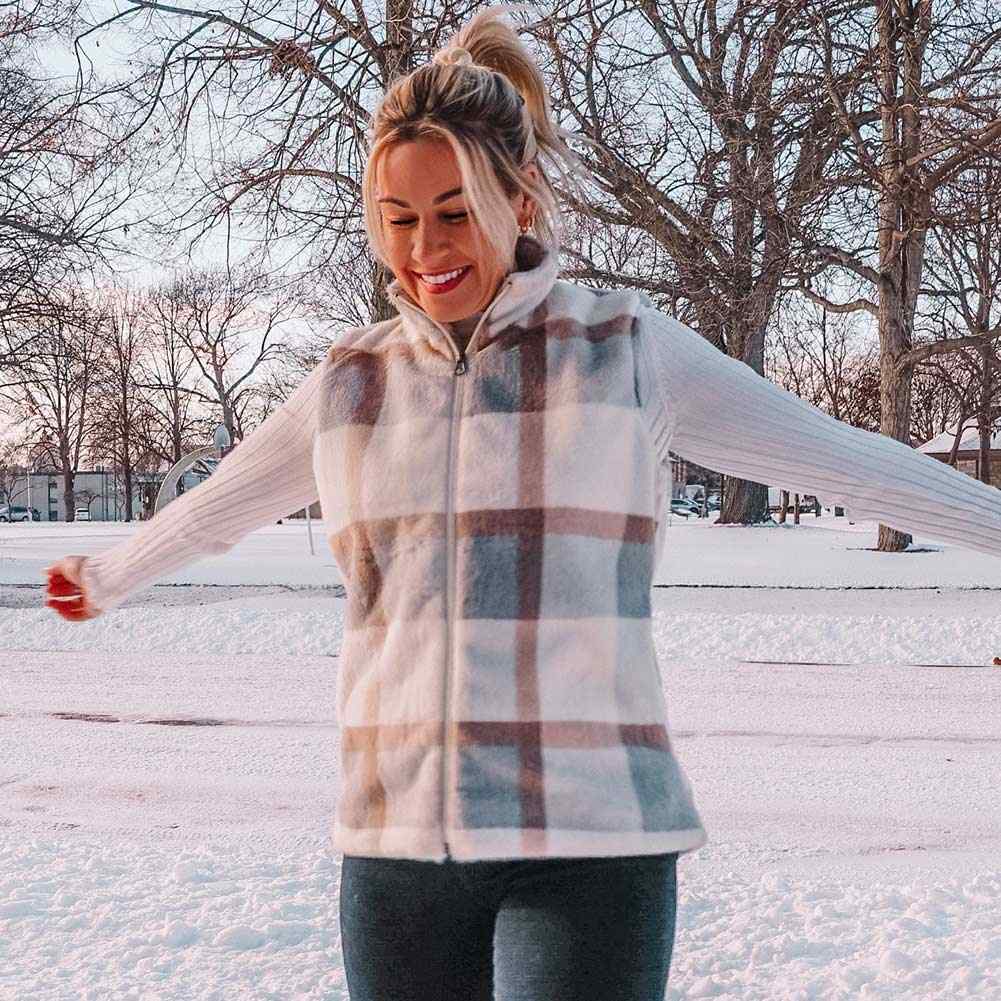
[{"x": 463, "y": 329}]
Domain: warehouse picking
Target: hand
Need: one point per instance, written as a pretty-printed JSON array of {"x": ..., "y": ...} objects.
[{"x": 65, "y": 590}]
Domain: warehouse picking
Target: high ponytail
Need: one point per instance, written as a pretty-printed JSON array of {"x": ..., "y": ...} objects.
[{"x": 484, "y": 95}]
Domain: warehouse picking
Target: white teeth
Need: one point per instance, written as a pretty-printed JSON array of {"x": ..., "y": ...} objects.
[{"x": 441, "y": 279}]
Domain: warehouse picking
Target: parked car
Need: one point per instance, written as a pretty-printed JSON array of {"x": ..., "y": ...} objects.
[
  {"x": 83, "y": 514},
  {"x": 685, "y": 507},
  {"x": 808, "y": 503},
  {"x": 17, "y": 513}
]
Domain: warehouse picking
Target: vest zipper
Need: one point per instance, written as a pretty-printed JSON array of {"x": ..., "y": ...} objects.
[{"x": 461, "y": 366}]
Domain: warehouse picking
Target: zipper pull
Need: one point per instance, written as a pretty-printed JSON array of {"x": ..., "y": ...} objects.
[{"x": 460, "y": 365}]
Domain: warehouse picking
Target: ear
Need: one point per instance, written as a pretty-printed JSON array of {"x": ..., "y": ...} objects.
[
  {"x": 527, "y": 207},
  {"x": 531, "y": 170}
]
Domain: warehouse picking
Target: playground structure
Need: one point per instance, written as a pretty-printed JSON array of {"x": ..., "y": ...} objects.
[
  {"x": 201, "y": 460},
  {"x": 204, "y": 461},
  {"x": 207, "y": 458}
]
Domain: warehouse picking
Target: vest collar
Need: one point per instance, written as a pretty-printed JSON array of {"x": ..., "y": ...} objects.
[{"x": 535, "y": 268}]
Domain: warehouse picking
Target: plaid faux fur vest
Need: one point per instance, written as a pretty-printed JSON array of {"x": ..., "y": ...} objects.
[{"x": 495, "y": 518}]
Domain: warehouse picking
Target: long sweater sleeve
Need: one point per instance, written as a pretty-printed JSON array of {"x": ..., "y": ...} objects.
[
  {"x": 267, "y": 476},
  {"x": 718, "y": 412}
]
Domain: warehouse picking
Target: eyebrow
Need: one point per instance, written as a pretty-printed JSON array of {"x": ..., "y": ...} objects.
[{"x": 444, "y": 196}]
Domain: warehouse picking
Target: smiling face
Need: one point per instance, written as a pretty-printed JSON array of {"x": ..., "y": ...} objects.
[{"x": 428, "y": 230}]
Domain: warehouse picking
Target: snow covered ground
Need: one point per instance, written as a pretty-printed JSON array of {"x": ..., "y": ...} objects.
[{"x": 169, "y": 770}]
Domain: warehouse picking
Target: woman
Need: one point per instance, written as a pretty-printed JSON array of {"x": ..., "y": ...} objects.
[{"x": 493, "y": 469}]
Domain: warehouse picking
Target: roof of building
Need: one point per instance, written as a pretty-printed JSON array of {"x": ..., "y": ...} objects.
[{"x": 970, "y": 441}]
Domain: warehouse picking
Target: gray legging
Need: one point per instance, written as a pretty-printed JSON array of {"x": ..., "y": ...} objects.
[{"x": 528, "y": 929}]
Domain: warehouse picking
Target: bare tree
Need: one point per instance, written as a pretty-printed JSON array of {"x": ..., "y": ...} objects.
[
  {"x": 963, "y": 386},
  {"x": 712, "y": 139},
  {"x": 12, "y": 473},
  {"x": 84, "y": 498},
  {"x": 826, "y": 361},
  {"x": 233, "y": 320},
  {"x": 932, "y": 77},
  {"x": 65, "y": 176},
  {"x": 56, "y": 392},
  {"x": 285, "y": 90},
  {"x": 962, "y": 273},
  {"x": 941, "y": 392},
  {"x": 166, "y": 373},
  {"x": 121, "y": 407}
]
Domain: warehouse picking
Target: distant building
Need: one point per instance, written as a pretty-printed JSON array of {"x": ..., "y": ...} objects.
[
  {"x": 100, "y": 491},
  {"x": 968, "y": 455}
]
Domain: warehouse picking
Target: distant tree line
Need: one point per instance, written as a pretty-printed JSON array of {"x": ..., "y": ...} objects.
[{"x": 133, "y": 379}]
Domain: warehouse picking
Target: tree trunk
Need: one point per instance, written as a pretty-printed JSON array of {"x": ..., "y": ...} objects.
[
  {"x": 903, "y": 209},
  {"x": 746, "y": 503},
  {"x": 382, "y": 308},
  {"x": 954, "y": 450},
  {"x": 69, "y": 501},
  {"x": 895, "y": 406},
  {"x": 176, "y": 444},
  {"x": 127, "y": 477},
  {"x": 784, "y": 503},
  {"x": 225, "y": 401}
]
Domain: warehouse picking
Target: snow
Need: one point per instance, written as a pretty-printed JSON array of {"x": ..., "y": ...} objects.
[
  {"x": 970, "y": 442},
  {"x": 173, "y": 842}
]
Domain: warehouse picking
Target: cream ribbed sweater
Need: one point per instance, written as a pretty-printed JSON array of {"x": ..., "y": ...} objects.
[{"x": 704, "y": 406}]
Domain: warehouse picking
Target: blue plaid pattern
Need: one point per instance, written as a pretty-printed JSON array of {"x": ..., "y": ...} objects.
[{"x": 554, "y": 738}]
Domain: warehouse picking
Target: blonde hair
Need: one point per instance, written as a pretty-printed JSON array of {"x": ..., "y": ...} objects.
[{"x": 483, "y": 95}]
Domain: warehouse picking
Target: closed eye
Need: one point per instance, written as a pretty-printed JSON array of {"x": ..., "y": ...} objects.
[{"x": 452, "y": 217}]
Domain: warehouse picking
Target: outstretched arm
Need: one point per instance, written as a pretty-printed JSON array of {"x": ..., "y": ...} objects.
[
  {"x": 717, "y": 411},
  {"x": 268, "y": 475}
]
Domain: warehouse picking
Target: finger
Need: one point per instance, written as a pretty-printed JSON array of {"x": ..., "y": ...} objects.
[
  {"x": 63, "y": 605},
  {"x": 68, "y": 601},
  {"x": 61, "y": 585},
  {"x": 60, "y": 568},
  {"x": 62, "y": 600}
]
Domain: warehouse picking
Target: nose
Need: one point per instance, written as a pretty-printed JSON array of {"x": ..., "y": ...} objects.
[{"x": 428, "y": 238}]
